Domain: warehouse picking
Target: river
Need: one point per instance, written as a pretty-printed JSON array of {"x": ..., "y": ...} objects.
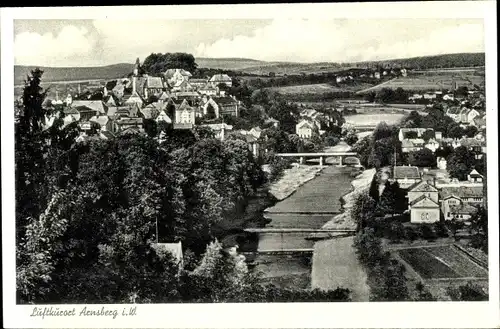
[{"x": 325, "y": 264}]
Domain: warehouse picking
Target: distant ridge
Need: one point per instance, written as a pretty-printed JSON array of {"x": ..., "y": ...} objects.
[{"x": 252, "y": 66}]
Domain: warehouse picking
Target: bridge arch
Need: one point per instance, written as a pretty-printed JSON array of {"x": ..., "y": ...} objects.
[{"x": 352, "y": 161}]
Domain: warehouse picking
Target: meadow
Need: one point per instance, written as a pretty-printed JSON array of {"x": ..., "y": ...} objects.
[
  {"x": 432, "y": 80},
  {"x": 372, "y": 119}
]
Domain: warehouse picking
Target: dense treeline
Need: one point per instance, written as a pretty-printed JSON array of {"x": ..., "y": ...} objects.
[{"x": 432, "y": 62}]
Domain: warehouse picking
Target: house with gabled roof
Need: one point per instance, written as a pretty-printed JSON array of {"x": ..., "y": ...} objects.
[
  {"x": 103, "y": 122},
  {"x": 475, "y": 177},
  {"x": 421, "y": 188},
  {"x": 89, "y": 108},
  {"x": 406, "y": 175},
  {"x": 153, "y": 86},
  {"x": 174, "y": 249},
  {"x": 306, "y": 128},
  {"x": 216, "y": 79},
  {"x": 479, "y": 122},
  {"x": 163, "y": 116},
  {"x": 172, "y": 76},
  {"x": 184, "y": 116}
]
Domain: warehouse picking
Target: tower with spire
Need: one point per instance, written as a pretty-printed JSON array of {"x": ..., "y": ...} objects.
[{"x": 136, "y": 67}]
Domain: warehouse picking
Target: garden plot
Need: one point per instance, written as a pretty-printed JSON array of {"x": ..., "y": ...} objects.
[{"x": 442, "y": 262}]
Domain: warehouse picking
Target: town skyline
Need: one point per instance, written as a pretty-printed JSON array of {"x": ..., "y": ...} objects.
[{"x": 107, "y": 42}]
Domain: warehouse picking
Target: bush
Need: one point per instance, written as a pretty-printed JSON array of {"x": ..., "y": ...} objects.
[{"x": 427, "y": 232}]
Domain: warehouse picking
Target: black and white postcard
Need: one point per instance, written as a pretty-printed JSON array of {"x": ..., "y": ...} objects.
[{"x": 257, "y": 165}]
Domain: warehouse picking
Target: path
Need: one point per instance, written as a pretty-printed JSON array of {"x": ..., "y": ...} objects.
[
  {"x": 375, "y": 87},
  {"x": 335, "y": 264}
]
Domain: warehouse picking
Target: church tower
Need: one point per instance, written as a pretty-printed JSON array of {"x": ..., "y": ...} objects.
[{"x": 136, "y": 68}]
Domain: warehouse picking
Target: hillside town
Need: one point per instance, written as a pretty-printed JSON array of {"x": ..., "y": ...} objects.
[{"x": 217, "y": 168}]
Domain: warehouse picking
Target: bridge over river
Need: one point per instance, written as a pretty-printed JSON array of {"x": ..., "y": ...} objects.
[
  {"x": 321, "y": 155},
  {"x": 294, "y": 249}
]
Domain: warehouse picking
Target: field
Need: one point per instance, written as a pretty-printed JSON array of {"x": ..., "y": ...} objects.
[
  {"x": 372, "y": 119},
  {"x": 442, "y": 262},
  {"x": 306, "y": 89},
  {"x": 431, "y": 80}
]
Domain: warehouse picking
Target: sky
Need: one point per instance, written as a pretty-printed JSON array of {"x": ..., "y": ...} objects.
[{"x": 67, "y": 43}]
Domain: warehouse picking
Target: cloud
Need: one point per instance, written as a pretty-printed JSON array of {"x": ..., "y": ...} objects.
[
  {"x": 63, "y": 49},
  {"x": 350, "y": 40}
]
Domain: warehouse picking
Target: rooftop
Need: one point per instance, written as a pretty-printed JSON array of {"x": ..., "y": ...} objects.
[
  {"x": 462, "y": 192},
  {"x": 408, "y": 172}
]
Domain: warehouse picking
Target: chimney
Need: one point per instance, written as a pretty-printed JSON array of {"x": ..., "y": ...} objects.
[
  {"x": 133, "y": 85},
  {"x": 105, "y": 91}
]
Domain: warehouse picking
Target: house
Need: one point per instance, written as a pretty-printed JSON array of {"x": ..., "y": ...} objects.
[
  {"x": 221, "y": 78},
  {"x": 253, "y": 145},
  {"x": 376, "y": 75},
  {"x": 182, "y": 85},
  {"x": 480, "y": 137},
  {"x": 256, "y": 131},
  {"x": 475, "y": 177},
  {"x": 424, "y": 210},
  {"x": 153, "y": 86},
  {"x": 448, "y": 97},
  {"x": 454, "y": 113},
  {"x": 208, "y": 90},
  {"x": 467, "y": 194},
  {"x": 460, "y": 212},
  {"x": 103, "y": 122},
  {"x": 174, "y": 249},
  {"x": 89, "y": 108},
  {"x": 149, "y": 112},
  {"x": 414, "y": 97},
  {"x": 430, "y": 96},
  {"x": 173, "y": 76},
  {"x": 220, "y": 105},
  {"x": 405, "y": 133},
  {"x": 184, "y": 116},
  {"x": 198, "y": 83},
  {"x": 305, "y": 128},
  {"x": 272, "y": 122},
  {"x": 106, "y": 135},
  {"x": 123, "y": 124},
  {"x": 422, "y": 188},
  {"x": 404, "y": 73},
  {"x": 406, "y": 175},
  {"x": 441, "y": 163},
  {"x": 163, "y": 116},
  {"x": 467, "y": 115},
  {"x": 432, "y": 145},
  {"x": 471, "y": 144},
  {"x": 479, "y": 122},
  {"x": 407, "y": 146},
  {"x": 219, "y": 129}
]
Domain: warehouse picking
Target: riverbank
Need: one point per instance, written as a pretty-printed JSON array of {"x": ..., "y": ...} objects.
[
  {"x": 292, "y": 179},
  {"x": 359, "y": 185},
  {"x": 335, "y": 263}
]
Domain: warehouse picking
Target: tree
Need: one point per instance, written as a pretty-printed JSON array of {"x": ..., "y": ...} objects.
[
  {"x": 428, "y": 135},
  {"x": 363, "y": 210},
  {"x": 456, "y": 131},
  {"x": 470, "y": 131},
  {"x": 479, "y": 228},
  {"x": 382, "y": 153},
  {"x": 368, "y": 247},
  {"x": 460, "y": 163},
  {"x": 351, "y": 139},
  {"x": 382, "y": 130},
  {"x": 444, "y": 151},
  {"x": 363, "y": 148},
  {"x": 210, "y": 112},
  {"x": 411, "y": 134},
  {"x": 157, "y": 63},
  {"x": 422, "y": 158}
]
